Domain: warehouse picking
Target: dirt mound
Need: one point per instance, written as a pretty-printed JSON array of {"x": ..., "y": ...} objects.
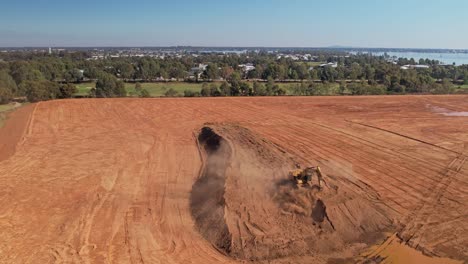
[{"x": 244, "y": 204}]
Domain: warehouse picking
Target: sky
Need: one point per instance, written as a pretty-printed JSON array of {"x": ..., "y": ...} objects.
[{"x": 235, "y": 23}]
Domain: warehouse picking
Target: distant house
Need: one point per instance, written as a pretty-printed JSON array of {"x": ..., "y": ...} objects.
[
  {"x": 197, "y": 71},
  {"x": 417, "y": 66},
  {"x": 247, "y": 67},
  {"x": 420, "y": 66},
  {"x": 330, "y": 64},
  {"x": 200, "y": 68},
  {"x": 97, "y": 57}
]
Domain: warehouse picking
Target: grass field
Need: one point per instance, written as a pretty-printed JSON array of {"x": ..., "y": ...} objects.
[
  {"x": 463, "y": 86},
  {"x": 6, "y": 107},
  {"x": 159, "y": 89},
  {"x": 83, "y": 88},
  {"x": 3, "y": 112},
  {"x": 155, "y": 89}
]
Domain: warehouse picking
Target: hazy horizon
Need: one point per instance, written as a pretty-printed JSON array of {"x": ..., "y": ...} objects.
[
  {"x": 400, "y": 24},
  {"x": 233, "y": 47}
]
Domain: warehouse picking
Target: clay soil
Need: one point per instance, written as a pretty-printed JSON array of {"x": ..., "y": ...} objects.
[{"x": 205, "y": 180}]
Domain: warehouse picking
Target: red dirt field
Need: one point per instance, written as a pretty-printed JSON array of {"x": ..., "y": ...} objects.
[{"x": 140, "y": 181}]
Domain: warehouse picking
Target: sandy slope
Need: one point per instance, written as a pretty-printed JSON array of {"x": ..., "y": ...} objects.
[{"x": 109, "y": 181}]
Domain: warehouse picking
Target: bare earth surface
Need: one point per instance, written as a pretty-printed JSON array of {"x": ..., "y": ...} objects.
[{"x": 138, "y": 181}]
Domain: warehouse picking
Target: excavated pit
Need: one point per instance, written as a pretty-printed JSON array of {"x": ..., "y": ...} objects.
[
  {"x": 245, "y": 205},
  {"x": 207, "y": 197}
]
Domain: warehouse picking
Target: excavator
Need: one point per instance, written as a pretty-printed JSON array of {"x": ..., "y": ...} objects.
[{"x": 304, "y": 176}]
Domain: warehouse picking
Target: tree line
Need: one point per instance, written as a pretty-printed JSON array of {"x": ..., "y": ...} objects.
[{"x": 39, "y": 76}]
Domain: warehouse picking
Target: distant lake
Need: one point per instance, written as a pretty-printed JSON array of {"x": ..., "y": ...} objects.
[{"x": 445, "y": 58}]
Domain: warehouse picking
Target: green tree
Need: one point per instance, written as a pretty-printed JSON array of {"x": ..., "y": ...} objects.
[
  {"x": 235, "y": 81},
  {"x": 446, "y": 87},
  {"x": 343, "y": 87},
  {"x": 355, "y": 71},
  {"x": 328, "y": 74},
  {"x": 205, "y": 90},
  {"x": 24, "y": 71},
  {"x": 214, "y": 91},
  {"x": 41, "y": 90},
  {"x": 73, "y": 75},
  {"x": 279, "y": 91},
  {"x": 92, "y": 93},
  {"x": 271, "y": 87},
  {"x": 144, "y": 93},
  {"x": 92, "y": 72},
  {"x": 259, "y": 89},
  {"x": 281, "y": 72},
  {"x": 299, "y": 89},
  {"x": 138, "y": 87},
  {"x": 190, "y": 93},
  {"x": 302, "y": 71},
  {"x": 126, "y": 70},
  {"x": 171, "y": 93},
  {"x": 67, "y": 90},
  {"x": 211, "y": 72},
  {"x": 224, "y": 89},
  {"x": 370, "y": 72},
  {"x": 7, "y": 87},
  {"x": 109, "y": 86},
  {"x": 245, "y": 89}
]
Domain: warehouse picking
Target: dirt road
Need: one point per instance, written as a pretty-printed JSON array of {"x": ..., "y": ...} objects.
[{"x": 110, "y": 180}]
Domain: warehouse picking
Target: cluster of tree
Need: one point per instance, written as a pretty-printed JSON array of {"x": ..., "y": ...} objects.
[
  {"x": 109, "y": 86},
  {"x": 234, "y": 87},
  {"x": 8, "y": 87},
  {"x": 43, "y": 90},
  {"x": 76, "y": 67},
  {"x": 140, "y": 91},
  {"x": 34, "y": 87},
  {"x": 21, "y": 72}
]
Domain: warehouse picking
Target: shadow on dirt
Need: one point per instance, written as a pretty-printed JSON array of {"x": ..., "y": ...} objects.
[{"x": 302, "y": 200}]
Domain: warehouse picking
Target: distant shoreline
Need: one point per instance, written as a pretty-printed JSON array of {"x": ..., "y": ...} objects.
[{"x": 226, "y": 48}]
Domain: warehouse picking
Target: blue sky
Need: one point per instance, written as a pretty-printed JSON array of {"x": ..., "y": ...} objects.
[{"x": 272, "y": 23}]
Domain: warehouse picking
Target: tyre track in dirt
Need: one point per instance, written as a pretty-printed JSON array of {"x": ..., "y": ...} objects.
[
  {"x": 296, "y": 137},
  {"x": 108, "y": 181}
]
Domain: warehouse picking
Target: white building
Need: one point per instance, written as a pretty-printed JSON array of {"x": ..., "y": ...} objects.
[
  {"x": 417, "y": 66},
  {"x": 197, "y": 71},
  {"x": 200, "y": 68},
  {"x": 330, "y": 64},
  {"x": 247, "y": 67}
]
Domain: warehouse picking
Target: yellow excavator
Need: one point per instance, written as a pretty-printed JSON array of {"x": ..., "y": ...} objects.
[{"x": 304, "y": 176}]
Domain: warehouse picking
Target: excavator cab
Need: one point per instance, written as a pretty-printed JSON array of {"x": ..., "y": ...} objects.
[{"x": 304, "y": 176}]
